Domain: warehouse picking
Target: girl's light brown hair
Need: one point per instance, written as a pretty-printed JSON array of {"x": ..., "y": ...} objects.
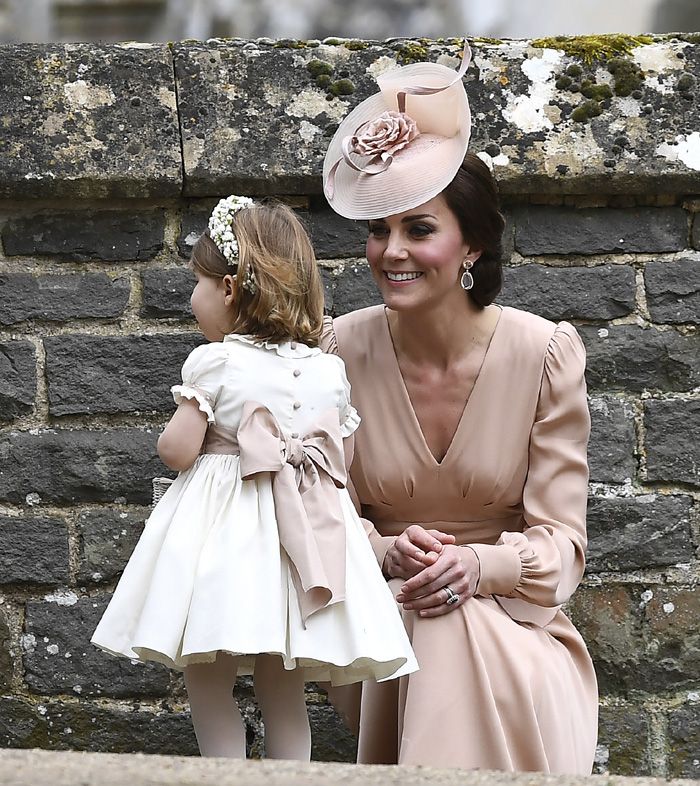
[{"x": 272, "y": 242}]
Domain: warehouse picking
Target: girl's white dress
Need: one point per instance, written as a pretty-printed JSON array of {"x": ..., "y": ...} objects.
[{"x": 209, "y": 573}]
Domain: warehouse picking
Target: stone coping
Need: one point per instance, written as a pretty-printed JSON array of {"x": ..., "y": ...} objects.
[
  {"x": 207, "y": 118},
  {"x": 69, "y": 768}
]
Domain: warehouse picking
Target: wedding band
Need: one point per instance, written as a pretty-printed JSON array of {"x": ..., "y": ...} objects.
[
  {"x": 453, "y": 599},
  {"x": 450, "y": 595}
]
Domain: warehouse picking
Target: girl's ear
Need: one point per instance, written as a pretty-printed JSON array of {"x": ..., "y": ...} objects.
[{"x": 228, "y": 283}]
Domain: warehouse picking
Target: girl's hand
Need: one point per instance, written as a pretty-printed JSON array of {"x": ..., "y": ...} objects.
[
  {"x": 456, "y": 568},
  {"x": 415, "y": 548}
]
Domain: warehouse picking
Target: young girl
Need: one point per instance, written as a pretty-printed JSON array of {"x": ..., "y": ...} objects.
[{"x": 254, "y": 560}]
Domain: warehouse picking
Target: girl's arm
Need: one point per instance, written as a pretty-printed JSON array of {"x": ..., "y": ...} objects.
[{"x": 181, "y": 441}]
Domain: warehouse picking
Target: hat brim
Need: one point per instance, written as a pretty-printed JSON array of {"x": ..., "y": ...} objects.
[{"x": 417, "y": 173}]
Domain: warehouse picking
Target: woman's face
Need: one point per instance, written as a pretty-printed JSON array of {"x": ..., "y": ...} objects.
[
  {"x": 416, "y": 256},
  {"x": 211, "y": 305}
]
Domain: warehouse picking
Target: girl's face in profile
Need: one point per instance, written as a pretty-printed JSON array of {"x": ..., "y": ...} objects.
[
  {"x": 211, "y": 300},
  {"x": 416, "y": 256}
]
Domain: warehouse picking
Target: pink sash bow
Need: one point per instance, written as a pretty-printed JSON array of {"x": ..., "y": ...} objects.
[{"x": 306, "y": 473}]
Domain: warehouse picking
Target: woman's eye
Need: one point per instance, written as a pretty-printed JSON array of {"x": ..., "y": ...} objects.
[{"x": 421, "y": 230}]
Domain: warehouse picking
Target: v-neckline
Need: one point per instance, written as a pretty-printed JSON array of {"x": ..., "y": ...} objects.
[{"x": 407, "y": 397}]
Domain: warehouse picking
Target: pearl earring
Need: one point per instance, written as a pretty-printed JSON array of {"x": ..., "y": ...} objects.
[{"x": 467, "y": 280}]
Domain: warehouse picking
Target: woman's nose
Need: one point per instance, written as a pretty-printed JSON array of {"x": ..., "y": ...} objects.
[{"x": 395, "y": 247}]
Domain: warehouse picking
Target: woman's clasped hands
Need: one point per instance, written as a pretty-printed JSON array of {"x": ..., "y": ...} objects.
[{"x": 440, "y": 575}]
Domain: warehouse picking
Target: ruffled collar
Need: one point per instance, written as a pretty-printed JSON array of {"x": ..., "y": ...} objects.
[{"x": 285, "y": 349}]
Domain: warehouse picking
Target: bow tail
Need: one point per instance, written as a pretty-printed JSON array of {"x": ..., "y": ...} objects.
[{"x": 312, "y": 533}]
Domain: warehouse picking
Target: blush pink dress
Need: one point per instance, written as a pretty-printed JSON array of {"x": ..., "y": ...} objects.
[{"x": 505, "y": 681}]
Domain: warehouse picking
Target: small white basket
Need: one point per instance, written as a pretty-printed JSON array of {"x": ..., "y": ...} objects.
[{"x": 160, "y": 486}]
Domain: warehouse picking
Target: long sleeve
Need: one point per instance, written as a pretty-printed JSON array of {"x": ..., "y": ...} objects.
[{"x": 544, "y": 564}]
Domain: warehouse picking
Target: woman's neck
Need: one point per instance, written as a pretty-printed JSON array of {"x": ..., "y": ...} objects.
[{"x": 441, "y": 336}]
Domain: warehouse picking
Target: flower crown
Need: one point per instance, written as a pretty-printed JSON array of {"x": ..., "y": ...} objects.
[{"x": 221, "y": 232}]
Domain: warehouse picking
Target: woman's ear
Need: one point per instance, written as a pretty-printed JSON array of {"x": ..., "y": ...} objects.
[
  {"x": 228, "y": 282},
  {"x": 472, "y": 256}
]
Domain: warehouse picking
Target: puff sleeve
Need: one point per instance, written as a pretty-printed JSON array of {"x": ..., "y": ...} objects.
[
  {"x": 202, "y": 378},
  {"x": 544, "y": 564},
  {"x": 349, "y": 417}
]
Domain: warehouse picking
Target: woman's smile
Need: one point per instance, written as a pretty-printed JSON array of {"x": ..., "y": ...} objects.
[{"x": 402, "y": 278}]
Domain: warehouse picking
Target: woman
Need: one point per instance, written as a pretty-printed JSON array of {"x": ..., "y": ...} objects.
[{"x": 470, "y": 466}]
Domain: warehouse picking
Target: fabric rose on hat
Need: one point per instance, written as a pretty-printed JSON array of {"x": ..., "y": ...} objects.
[{"x": 385, "y": 135}]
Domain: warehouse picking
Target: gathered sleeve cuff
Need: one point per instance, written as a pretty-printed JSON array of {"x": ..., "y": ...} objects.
[
  {"x": 201, "y": 378},
  {"x": 544, "y": 564},
  {"x": 328, "y": 341}
]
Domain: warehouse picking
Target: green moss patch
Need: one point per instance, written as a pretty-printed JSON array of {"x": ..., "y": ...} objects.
[{"x": 594, "y": 47}]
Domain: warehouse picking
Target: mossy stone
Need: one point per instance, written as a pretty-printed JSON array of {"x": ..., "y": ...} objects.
[
  {"x": 593, "y": 47},
  {"x": 319, "y": 67},
  {"x": 323, "y": 80},
  {"x": 356, "y": 46},
  {"x": 586, "y": 111},
  {"x": 563, "y": 82},
  {"x": 685, "y": 83},
  {"x": 412, "y": 52},
  {"x": 628, "y": 76},
  {"x": 596, "y": 91},
  {"x": 341, "y": 87}
]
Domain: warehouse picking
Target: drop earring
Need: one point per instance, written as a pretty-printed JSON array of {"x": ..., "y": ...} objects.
[{"x": 467, "y": 280}]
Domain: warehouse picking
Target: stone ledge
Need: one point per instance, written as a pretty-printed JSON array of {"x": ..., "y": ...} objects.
[
  {"x": 205, "y": 118},
  {"x": 29, "y": 767}
]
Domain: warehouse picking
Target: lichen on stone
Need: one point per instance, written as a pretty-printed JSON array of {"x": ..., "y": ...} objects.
[
  {"x": 290, "y": 43},
  {"x": 593, "y": 47}
]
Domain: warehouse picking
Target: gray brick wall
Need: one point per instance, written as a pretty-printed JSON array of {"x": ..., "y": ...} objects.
[{"x": 95, "y": 323}]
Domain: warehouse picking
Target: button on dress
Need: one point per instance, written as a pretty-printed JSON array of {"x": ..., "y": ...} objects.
[
  {"x": 505, "y": 680},
  {"x": 209, "y": 573}
]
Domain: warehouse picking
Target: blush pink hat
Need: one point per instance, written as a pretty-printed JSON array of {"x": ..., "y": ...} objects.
[{"x": 402, "y": 146}]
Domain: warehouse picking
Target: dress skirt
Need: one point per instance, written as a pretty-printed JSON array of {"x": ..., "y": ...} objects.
[{"x": 208, "y": 575}]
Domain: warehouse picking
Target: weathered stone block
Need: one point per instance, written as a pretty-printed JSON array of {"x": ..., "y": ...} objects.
[
  {"x": 166, "y": 292},
  {"x": 612, "y": 447},
  {"x": 558, "y": 230},
  {"x": 88, "y": 374},
  {"x": 333, "y": 236},
  {"x": 623, "y": 736},
  {"x": 673, "y": 449},
  {"x": 330, "y": 739},
  {"x": 353, "y": 288},
  {"x": 88, "y": 121},
  {"x": 633, "y": 533},
  {"x": 92, "y": 727},
  {"x": 640, "y": 636},
  {"x": 672, "y": 636},
  {"x": 33, "y": 549},
  {"x": 61, "y": 298},
  {"x": 603, "y": 292},
  {"x": 256, "y": 118},
  {"x": 6, "y": 664},
  {"x": 59, "y": 657},
  {"x": 21, "y": 724},
  {"x": 684, "y": 738},
  {"x": 107, "y": 538},
  {"x": 193, "y": 223},
  {"x": 66, "y": 466},
  {"x": 695, "y": 237},
  {"x": 627, "y": 357},
  {"x": 673, "y": 290},
  {"x": 17, "y": 379},
  {"x": 100, "y": 236}
]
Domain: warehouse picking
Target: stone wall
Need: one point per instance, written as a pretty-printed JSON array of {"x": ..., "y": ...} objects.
[{"x": 110, "y": 159}]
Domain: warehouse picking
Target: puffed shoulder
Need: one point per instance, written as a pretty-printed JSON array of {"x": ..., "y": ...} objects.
[
  {"x": 565, "y": 355},
  {"x": 328, "y": 341},
  {"x": 201, "y": 377}
]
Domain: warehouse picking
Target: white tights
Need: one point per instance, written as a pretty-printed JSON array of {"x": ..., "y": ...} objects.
[{"x": 217, "y": 720}]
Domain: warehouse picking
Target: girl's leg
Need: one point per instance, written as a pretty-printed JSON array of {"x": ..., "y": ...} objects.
[
  {"x": 217, "y": 720},
  {"x": 280, "y": 695}
]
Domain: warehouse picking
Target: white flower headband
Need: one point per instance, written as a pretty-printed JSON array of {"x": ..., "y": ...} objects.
[{"x": 221, "y": 232}]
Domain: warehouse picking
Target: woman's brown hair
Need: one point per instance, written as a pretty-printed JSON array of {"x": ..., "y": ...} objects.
[
  {"x": 473, "y": 197},
  {"x": 287, "y": 304}
]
